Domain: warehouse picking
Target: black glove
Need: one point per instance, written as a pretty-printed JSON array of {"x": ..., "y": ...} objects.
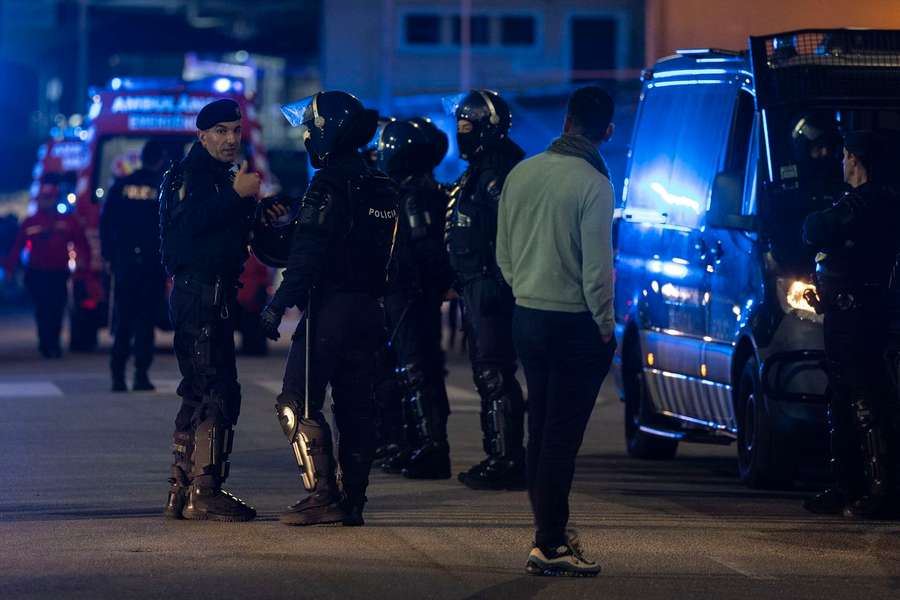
[{"x": 269, "y": 320}]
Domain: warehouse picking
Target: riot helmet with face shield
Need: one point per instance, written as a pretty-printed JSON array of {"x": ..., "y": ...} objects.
[
  {"x": 483, "y": 120},
  {"x": 333, "y": 123},
  {"x": 816, "y": 146}
]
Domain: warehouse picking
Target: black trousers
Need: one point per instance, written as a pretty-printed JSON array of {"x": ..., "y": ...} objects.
[
  {"x": 346, "y": 330},
  {"x": 204, "y": 348},
  {"x": 50, "y": 296},
  {"x": 565, "y": 362},
  {"x": 861, "y": 394},
  {"x": 487, "y": 318},
  {"x": 415, "y": 326},
  {"x": 137, "y": 292}
]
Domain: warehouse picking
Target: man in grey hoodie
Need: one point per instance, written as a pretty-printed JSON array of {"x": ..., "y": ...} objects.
[{"x": 554, "y": 249}]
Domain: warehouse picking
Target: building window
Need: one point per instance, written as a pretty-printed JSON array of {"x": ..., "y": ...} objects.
[
  {"x": 479, "y": 30},
  {"x": 422, "y": 29},
  {"x": 517, "y": 31}
]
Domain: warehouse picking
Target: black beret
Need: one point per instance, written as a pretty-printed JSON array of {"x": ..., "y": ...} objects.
[{"x": 219, "y": 111}]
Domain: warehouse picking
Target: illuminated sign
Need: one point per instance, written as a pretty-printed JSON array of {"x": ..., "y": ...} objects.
[
  {"x": 170, "y": 122},
  {"x": 72, "y": 155},
  {"x": 159, "y": 104}
]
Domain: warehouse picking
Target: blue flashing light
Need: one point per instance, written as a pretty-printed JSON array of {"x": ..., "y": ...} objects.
[
  {"x": 61, "y": 208},
  {"x": 116, "y": 83}
]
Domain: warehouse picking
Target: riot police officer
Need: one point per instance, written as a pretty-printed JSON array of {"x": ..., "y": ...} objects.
[
  {"x": 419, "y": 277},
  {"x": 129, "y": 241},
  {"x": 335, "y": 274},
  {"x": 483, "y": 121},
  {"x": 857, "y": 243},
  {"x": 204, "y": 226}
]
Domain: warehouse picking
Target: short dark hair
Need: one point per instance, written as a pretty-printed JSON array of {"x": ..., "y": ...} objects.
[
  {"x": 591, "y": 109},
  {"x": 152, "y": 153}
]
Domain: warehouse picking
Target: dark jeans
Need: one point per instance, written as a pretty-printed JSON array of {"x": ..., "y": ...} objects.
[
  {"x": 204, "y": 347},
  {"x": 565, "y": 362},
  {"x": 50, "y": 295},
  {"x": 136, "y": 295},
  {"x": 347, "y": 329}
]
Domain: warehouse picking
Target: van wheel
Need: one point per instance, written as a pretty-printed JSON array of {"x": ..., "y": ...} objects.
[
  {"x": 637, "y": 402},
  {"x": 760, "y": 465}
]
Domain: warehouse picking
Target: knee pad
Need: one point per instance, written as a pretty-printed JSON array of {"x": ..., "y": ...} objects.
[{"x": 310, "y": 440}]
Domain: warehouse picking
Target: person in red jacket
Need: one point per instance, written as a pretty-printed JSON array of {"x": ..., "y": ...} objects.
[{"x": 47, "y": 234}]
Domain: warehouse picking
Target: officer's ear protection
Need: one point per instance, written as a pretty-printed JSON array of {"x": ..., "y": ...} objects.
[
  {"x": 318, "y": 120},
  {"x": 495, "y": 118}
]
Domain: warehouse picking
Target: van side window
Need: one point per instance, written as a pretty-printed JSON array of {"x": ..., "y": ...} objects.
[
  {"x": 678, "y": 148},
  {"x": 743, "y": 150},
  {"x": 752, "y": 171}
]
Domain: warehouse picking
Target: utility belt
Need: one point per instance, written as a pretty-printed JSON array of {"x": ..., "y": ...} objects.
[{"x": 214, "y": 291}]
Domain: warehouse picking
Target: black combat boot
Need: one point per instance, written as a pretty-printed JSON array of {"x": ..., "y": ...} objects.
[
  {"x": 829, "y": 502},
  {"x": 353, "y": 507},
  {"x": 215, "y": 504},
  {"x": 322, "y": 506},
  {"x": 431, "y": 461},
  {"x": 395, "y": 463},
  {"x": 179, "y": 481},
  {"x": 496, "y": 474},
  {"x": 206, "y": 500},
  {"x": 118, "y": 382},
  {"x": 876, "y": 474},
  {"x": 142, "y": 382}
]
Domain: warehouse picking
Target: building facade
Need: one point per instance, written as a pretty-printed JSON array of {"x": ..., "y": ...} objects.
[{"x": 381, "y": 49}]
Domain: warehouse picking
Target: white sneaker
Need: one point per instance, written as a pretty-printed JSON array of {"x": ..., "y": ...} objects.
[{"x": 564, "y": 561}]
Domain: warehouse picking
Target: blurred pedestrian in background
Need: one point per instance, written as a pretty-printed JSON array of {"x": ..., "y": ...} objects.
[
  {"x": 129, "y": 241},
  {"x": 554, "y": 247},
  {"x": 49, "y": 235}
]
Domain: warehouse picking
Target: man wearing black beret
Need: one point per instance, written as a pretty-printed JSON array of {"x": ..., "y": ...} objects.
[{"x": 207, "y": 209}]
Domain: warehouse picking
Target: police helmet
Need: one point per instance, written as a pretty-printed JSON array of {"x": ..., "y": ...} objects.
[
  {"x": 271, "y": 240},
  {"x": 332, "y": 122},
  {"x": 405, "y": 147},
  {"x": 490, "y": 118},
  {"x": 438, "y": 139},
  {"x": 815, "y": 136}
]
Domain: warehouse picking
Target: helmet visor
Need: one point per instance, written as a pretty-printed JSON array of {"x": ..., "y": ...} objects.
[
  {"x": 451, "y": 103},
  {"x": 302, "y": 114}
]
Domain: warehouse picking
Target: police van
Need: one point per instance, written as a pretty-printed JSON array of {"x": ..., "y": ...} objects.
[
  {"x": 718, "y": 341},
  {"x": 121, "y": 118}
]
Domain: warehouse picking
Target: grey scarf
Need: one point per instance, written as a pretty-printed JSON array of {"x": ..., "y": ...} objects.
[{"x": 574, "y": 144}]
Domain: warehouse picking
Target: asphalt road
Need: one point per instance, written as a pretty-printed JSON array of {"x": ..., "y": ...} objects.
[{"x": 83, "y": 479}]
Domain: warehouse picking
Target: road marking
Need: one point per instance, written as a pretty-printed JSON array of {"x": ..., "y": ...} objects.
[
  {"x": 28, "y": 390},
  {"x": 270, "y": 385},
  {"x": 728, "y": 564},
  {"x": 460, "y": 393}
]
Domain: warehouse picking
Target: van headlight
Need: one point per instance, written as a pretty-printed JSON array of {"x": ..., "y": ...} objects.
[{"x": 792, "y": 296}]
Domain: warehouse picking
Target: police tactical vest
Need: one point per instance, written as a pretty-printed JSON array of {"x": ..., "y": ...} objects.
[
  {"x": 362, "y": 248},
  {"x": 472, "y": 227}
]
